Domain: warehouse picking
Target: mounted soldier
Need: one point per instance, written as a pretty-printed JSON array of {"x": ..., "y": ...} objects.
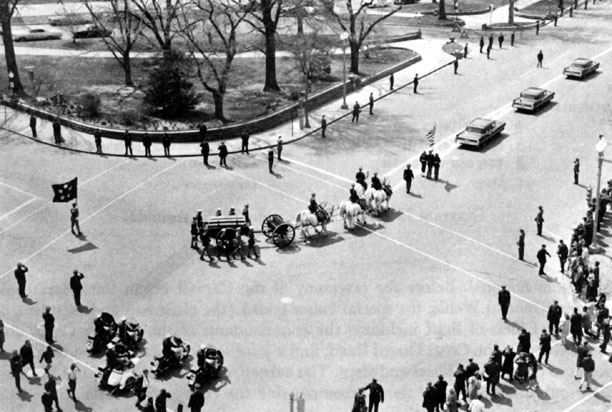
[{"x": 360, "y": 177}]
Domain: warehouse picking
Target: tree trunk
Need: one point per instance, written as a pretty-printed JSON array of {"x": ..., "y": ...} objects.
[
  {"x": 127, "y": 69},
  {"x": 218, "y": 99},
  {"x": 441, "y": 10},
  {"x": 9, "y": 50},
  {"x": 511, "y": 12},
  {"x": 354, "y": 56},
  {"x": 271, "y": 83},
  {"x": 300, "y": 21}
]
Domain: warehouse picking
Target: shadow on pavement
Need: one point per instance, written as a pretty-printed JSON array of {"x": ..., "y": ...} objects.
[{"x": 515, "y": 325}]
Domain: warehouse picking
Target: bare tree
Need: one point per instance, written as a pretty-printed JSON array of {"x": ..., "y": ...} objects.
[
  {"x": 7, "y": 8},
  {"x": 159, "y": 17},
  {"x": 510, "y": 11},
  {"x": 128, "y": 30},
  {"x": 214, "y": 29},
  {"x": 266, "y": 15},
  {"x": 358, "y": 27},
  {"x": 441, "y": 10}
]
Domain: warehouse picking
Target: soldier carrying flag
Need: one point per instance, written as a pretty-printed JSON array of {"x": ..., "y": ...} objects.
[{"x": 65, "y": 192}]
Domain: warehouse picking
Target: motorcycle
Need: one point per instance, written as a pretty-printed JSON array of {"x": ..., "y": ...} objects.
[
  {"x": 163, "y": 364},
  {"x": 210, "y": 362},
  {"x": 119, "y": 379},
  {"x": 107, "y": 330},
  {"x": 133, "y": 335}
]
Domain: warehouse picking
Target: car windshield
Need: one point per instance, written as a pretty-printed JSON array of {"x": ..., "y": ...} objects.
[
  {"x": 532, "y": 95},
  {"x": 581, "y": 65},
  {"x": 473, "y": 129}
]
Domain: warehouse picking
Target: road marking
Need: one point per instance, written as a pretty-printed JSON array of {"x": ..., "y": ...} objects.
[
  {"x": 17, "y": 189},
  {"x": 581, "y": 401},
  {"x": 400, "y": 243},
  {"x": 325, "y": 172},
  {"x": 34, "y": 199},
  {"x": 106, "y": 206},
  {"x": 50, "y": 203}
]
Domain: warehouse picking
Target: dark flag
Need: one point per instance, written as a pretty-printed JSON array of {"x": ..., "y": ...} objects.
[{"x": 65, "y": 192}]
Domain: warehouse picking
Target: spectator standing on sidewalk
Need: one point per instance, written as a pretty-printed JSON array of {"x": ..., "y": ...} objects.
[
  {"x": 147, "y": 142},
  {"x": 545, "y": 346},
  {"x": 391, "y": 81},
  {"x": 576, "y": 170},
  {"x": 279, "y": 148},
  {"x": 223, "y": 154},
  {"x": 512, "y": 39},
  {"x": 500, "y": 39},
  {"x": 205, "y": 150},
  {"x": 324, "y": 124},
  {"x": 245, "y": 143},
  {"x": 481, "y": 43},
  {"x": 521, "y": 244},
  {"x": 540, "y": 57},
  {"x": 270, "y": 160},
  {"x": 166, "y": 142},
  {"x": 460, "y": 380},
  {"x": 605, "y": 328},
  {"x": 455, "y": 65},
  {"x": 33, "y": 126},
  {"x": 356, "y": 111},
  {"x": 554, "y": 317},
  {"x": 57, "y": 131},
  {"x": 415, "y": 83},
  {"x": 371, "y": 103},
  {"x": 489, "y": 48},
  {"x": 98, "y": 140},
  {"x": 562, "y": 252},
  {"x": 127, "y": 141}
]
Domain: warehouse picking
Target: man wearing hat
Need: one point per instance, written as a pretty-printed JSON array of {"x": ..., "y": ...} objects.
[
  {"x": 377, "y": 395},
  {"x": 76, "y": 286},
  {"x": 196, "y": 400},
  {"x": 542, "y": 253},
  {"x": 588, "y": 365},
  {"x": 360, "y": 177},
  {"x": 245, "y": 213},
  {"x": 503, "y": 298},
  {"x": 408, "y": 177},
  {"x": 232, "y": 211}
]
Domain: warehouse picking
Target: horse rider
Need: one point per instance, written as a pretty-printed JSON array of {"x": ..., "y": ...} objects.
[
  {"x": 218, "y": 213},
  {"x": 376, "y": 185},
  {"x": 232, "y": 211},
  {"x": 353, "y": 194},
  {"x": 313, "y": 206},
  {"x": 360, "y": 177}
]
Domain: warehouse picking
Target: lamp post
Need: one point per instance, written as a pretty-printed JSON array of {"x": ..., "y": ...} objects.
[
  {"x": 343, "y": 37},
  {"x": 549, "y": 4},
  {"x": 492, "y": 7},
  {"x": 599, "y": 147},
  {"x": 11, "y": 85},
  {"x": 419, "y": 15}
]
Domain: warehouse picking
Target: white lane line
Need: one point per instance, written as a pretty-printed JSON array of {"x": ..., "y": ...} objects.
[
  {"x": 103, "y": 208},
  {"x": 17, "y": 189},
  {"x": 325, "y": 172},
  {"x": 586, "y": 398},
  {"x": 402, "y": 244},
  {"x": 21, "y": 206},
  {"x": 50, "y": 203}
]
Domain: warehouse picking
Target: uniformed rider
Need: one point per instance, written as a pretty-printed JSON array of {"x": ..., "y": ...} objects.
[
  {"x": 376, "y": 185},
  {"x": 360, "y": 177},
  {"x": 232, "y": 211},
  {"x": 313, "y": 206},
  {"x": 218, "y": 212},
  {"x": 353, "y": 194}
]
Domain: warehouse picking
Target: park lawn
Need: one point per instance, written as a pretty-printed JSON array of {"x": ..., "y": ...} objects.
[
  {"x": 74, "y": 77},
  {"x": 542, "y": 8},
  {"x": 465, "y": 5}
]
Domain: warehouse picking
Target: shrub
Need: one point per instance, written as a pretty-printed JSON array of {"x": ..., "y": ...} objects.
[{"x": 90, "y": 105}]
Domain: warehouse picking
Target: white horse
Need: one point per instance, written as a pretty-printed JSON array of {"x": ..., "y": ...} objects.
[
  {"x": 306, "y": 219},
  {"x": 378, "y": 200},
  {"x": 350, "y": 213}
]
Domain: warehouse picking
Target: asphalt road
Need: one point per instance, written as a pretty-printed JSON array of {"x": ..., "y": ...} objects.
[{"x": 403, "y": 299}]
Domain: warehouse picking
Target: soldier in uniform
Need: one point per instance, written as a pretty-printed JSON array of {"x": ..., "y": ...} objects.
[
  {"x": 245, "y": 213},
  {"x": 521, "y": 244},
  {"x": 194, "y": 233},
  {"x": 408, "y": 177},
  {"x": 430, "y": 163},
  {"x": 423, "y": 160},
  {"x": 313, "y": 206},
  {"x": 562, "y": 252},
  {"x": 232, "y": 211},
  {"x": 205, "y": 239},
  {"x": 76, "y": 286},
  {"x": 353, "y": 194},
  {"x": 539, "y": 219},
  {"x": 74, "y": 220},
  {"x": 360, "y": 177},
  {"x": 251, "y": 244},
  {"x": 542, "y": 253},
  {"x": 436, "y": 165},
  {"x": 49, "y": 321},
  {"x": 376, "y": 185},
  {"x": 205, "y": 150}
]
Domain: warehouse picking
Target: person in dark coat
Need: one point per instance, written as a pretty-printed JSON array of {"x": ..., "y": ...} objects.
[
  {"x": 430, "y": 163},
  {"x": 503, "y": 298},
  {"x": 27, "y": 356},
  {"x": 74, "y": 220},
  {"x": 160, "y": 401},
  {"x": 465, "y": 51},
  {"x": 512, "y": 39},
  {"x": 415, "y": 83},
  {"x": 270, "y": 160},
  {"x": 98, "y": 141},
  {"x": 323, "y": 126},
  {"x": 491, "y": 370},
  {"x": 576, "y": 327},
  {"x": 545, "y": 346},
  {"x": 576, "y": 170},
  {"x": 33, "y": 126},
  {"x": 377, "y": 395},
  {"x": 539, "y": 219},
  {"x": 430, "y": 400},
  {"x": 423, "y": 160},
  {"x": 508, "y": 363},
  {"x": 2, "y": 337},
  {"x": 47, "y": 401},
  {"x": 554, "y": 317},
  {"x": 205, "y": 150},
  {"x": 359, "y": 403},
  {"x": 391, "y": 81},
  {"x": 371, "y": 103},
  {"x": 440, "y": 387},
  {"x": 166, "y": 142},
  {"x": 16, "y": 365},
  {"x": 460, "y": 380},
  {"x": 147, "y": 142},
  {"x": 581, "y": 353},
  {"x": 436, "y": 165},
  {"x": 455, "y": 65},
  {"x": 223, "y": 154},
  {"x": 607, "y": 334},
  {"x": 524, "y": 344},
  {"x": 540, "y": 58},
  {"x": 500, "y": 39},
  {"x": 203, "y": 130},
  {"x": 51, "y": 386},
  {"x": 57, "y": 131},
  {"x": 205, "y": 239},
  {"x": 496, "y": 354},
  {"x": 141, "y": 384},
  {"x": 244, "y": 148},
  {"x": 471, "y": 368},
  {"x": 356, "y": 111},
  {"x": 279, "y": 148},
  {"x": 360, "y": 177},
  {"x": 76, "y": 286},
  {"x": 408, "y": 178},
  {"x": 521, "y": 244},
  {"x": 20, "y": 275},
  {"x": 127, "y": 141},
  {"x": 196, "y": 400},
  {"x": 491, "y": 39},
  {"x": 562, "y": 252},
  {"x": 542, "y": 253},
  {"x": 489, "y": 48},
  {"x": 49, "y": 321},
  {"x": 482, "y": 43}
]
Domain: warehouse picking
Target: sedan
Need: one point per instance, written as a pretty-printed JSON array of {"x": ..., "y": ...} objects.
[
  {"x": 581, "y": 68},
  {"x": 36, "y": 34},
  {"x": 90, "y": 32}
]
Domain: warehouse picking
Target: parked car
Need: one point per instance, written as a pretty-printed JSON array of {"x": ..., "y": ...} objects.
[
  {"x": 402, "y": 2},
  {"x": 90, "y": 32},
  {"x": 580, "y": 68},
  {"x": 70, "y": 19},
  {"x": 479, "y": 131},
  {"x": 379, "y": 3},
  {"x": 36, "y": 34},
  {"x": 532, "y": 99}
]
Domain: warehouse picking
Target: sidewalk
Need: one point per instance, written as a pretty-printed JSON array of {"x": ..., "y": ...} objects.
[{"x": 432, "y": 58}]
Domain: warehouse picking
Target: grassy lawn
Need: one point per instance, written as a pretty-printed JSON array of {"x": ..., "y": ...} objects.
[
  {"x": 465, "y": 5},
  {"x": 542, "y": 8},
  {"x": 74, "y": 77}
]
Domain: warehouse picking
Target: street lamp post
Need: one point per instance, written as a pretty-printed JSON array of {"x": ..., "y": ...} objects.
[
  {"x": 11, "y": 76},
  {"x": 492, "y": 7},
  {"x": 549, "y": 4},
  {"x": 419, "y": 15},
  {"x": 599, "y": 147},
  {"x": 343, "y": 37}
]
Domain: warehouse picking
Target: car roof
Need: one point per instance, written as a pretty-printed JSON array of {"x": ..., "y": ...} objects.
[
  {"x": 481, "y": 123},
  {"x": 533, "y": 90},
  {"x": 582, "y": 60}
]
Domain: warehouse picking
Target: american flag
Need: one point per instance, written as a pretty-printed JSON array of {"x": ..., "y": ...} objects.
[{"x": 431, "y": 136}]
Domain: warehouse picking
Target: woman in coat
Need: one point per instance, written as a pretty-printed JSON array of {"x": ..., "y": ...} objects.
[
  {"x": 508, "y": 363},
  {"x": 473, "y": 386},
  {"x": 452, "y": 403}
]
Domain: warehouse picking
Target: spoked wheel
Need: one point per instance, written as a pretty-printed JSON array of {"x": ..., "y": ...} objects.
[
  {"x": 226, "y": 234},
  {"x": 283, "y": 235},
  {"x": 270, "y": 223}
]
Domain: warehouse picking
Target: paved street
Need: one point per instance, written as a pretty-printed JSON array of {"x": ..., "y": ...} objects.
[{"x": 403, "y": 299}]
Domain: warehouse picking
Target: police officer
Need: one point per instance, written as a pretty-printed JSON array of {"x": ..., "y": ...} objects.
[
  {"x": 20, "y": 272},
  {"x": 74, "y": 220},
  {"x": 76, "y": 286},
  {"x": 436, "y": 165},
  {"x": 542, "y": 253},
  {"x": 49, "y": 323},
  {"x": 539, "y": 219},
  {"x": 408, "y": 177},
  {"x": 353, "y": 194},
  {"x": 245, "y": 213},
  {"x": 360, "y": 177},
  {"x": 205, "y": 150},
  {"x": 376, "y": 185},
  {"x": 430, "y": 163},
  {"x": 423, "y": 160}
]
